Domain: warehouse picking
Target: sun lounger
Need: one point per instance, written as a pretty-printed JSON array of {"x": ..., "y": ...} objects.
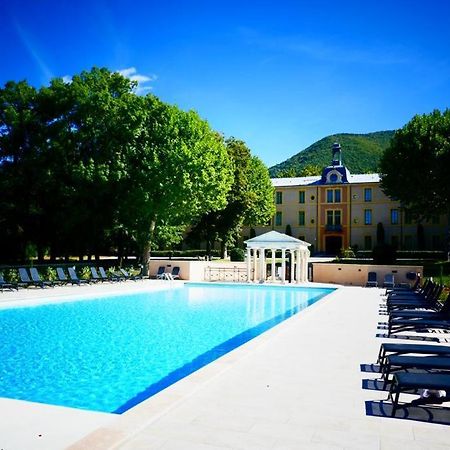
[
  {"x": 7, "y": 285},
  {"x": 389, "y": 348},
  {"x": 95, "y": 277},
  {"x": 37, "y": 279},
  {"x": 128, "y": 276},
  {"x": 429, "y": 301},
  {"x": 406, "y": 382},
  {"x": 176, "y": 273},
  {"x": 74, "y": 277},
  {"x": 62, "y": 277},
  {"x": 388, "y": 282},
  {"x": 372, "y": 279},
  {"x": 436, "y": 312},
  {"x": 401, "y": 325},
  {"x": 161, "y": 272},
  {"x": 105, "y": 277},
  {"x": 395, "y": 363},
  {"x": 26, "y": 281},
  {"x": 419, "y": 293}
]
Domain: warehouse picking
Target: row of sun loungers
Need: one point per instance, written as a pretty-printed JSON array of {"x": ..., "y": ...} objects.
[
  {"x": 411, "y": 368},
  {"x": 32, "y": 278}
]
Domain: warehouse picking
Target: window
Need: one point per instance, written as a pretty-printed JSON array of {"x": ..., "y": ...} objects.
[
  {"x": 337, "y": 196},
  {"x": 333, "y": 196},
  {"x": 301, "y": 218},
  {"x": 333, "y": 217},
  {"x": 278, "y": 218},
  {"x": 408, "y": 217},
  {"x": 329, "y": 195},
  {"x": 368, "y": 194},
  {"x": 301, "y": 196},
  {"x": 278, "y": 198},
  {"x": 394, "y": 216},
  {"x": 367, "y": 217}
]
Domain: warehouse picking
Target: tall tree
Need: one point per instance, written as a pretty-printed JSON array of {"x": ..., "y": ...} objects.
[
  {"x": 176, "y": 170},
  {"x": 20, "y": 148},
  {"x": 261, "y": 205},
  {"x": 250, "y": 200},
  {"x": 414, "y": 167}
]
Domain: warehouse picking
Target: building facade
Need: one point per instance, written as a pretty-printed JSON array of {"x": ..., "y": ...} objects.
[{"x": 339, "y": 210}]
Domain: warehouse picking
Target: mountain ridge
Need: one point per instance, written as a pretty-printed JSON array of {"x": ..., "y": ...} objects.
[{"x": 361, "y": 153}]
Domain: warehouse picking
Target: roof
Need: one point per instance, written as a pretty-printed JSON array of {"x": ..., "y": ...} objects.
[
  {"x": 274, "y": 238},
  {"x": 308, "y": 181}
]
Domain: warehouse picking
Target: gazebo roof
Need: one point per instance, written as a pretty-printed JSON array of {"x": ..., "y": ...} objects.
[{"x": 274, "y": 239}]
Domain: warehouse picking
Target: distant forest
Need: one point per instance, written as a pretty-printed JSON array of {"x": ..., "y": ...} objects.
[{"x": 361, "y": 153}]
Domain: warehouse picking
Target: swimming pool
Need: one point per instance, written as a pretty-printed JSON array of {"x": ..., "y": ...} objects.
[{"x": 109, "y": 354}]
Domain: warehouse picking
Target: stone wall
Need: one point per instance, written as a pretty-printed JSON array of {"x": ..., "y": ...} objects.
[{"x": 356, "y": 274}]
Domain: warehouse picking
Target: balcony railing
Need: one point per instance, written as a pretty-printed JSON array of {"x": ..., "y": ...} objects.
[{"x": 333, "y": 227}]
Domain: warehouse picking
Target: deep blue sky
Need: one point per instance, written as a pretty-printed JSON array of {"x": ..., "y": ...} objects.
[{"x": 277, "y": 74}]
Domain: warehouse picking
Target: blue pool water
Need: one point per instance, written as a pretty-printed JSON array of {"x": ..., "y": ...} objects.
[{"x": 108, "y": 354}]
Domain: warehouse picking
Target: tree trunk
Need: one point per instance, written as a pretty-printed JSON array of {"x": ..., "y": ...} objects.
[
  {"x": 223, "y": 250},
  {"x": 146, "y": 250},
  {"x": 208, "y": 249}
]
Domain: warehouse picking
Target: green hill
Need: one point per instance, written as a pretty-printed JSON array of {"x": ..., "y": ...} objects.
[{"x": 360, "y": 153}]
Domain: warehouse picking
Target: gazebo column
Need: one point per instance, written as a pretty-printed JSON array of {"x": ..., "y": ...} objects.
[
  {"x": 255, "y": 265},
  {"x": 298, "y": 257},
  {"x": 249, "y": 264},
  {"x": 283, "y": 265},
  {"x": 274, "y": 275},
  {"x": 262, "y": 268},
  {"x": 304, "y": 275}
]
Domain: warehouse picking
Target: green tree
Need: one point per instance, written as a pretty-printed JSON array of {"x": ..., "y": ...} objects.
[
  {"x": 414, "y": 167},
  {"x": 176, "y": 170},
  {"x": 21, "y": 177},
  {"x": 249, "y": 202},
  {"x": 311, "y": 170},
  {"x": 261, "y": 205}
]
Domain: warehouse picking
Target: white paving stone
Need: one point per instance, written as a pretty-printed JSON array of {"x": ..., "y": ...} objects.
[{"x": 296, "y": 386}]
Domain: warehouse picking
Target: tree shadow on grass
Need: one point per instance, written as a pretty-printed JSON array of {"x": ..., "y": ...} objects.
[{"x": 417, "y": 411}]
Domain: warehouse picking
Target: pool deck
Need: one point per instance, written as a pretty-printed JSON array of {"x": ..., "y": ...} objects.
[{"x": 297, "y": 386}]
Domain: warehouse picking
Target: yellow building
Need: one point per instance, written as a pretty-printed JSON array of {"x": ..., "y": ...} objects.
[{"x": 338, "y": 210}]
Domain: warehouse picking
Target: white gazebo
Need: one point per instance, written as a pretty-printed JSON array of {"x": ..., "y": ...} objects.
[{"x": 273, "y": 241}]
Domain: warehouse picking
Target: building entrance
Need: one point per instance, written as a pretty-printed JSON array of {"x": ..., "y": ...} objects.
[{"x": 333, "y": 245}]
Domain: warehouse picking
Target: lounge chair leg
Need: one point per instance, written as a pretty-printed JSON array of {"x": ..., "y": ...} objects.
[
  {"x": 380, "y": 355},
  {"x": 395, "y": 403}
]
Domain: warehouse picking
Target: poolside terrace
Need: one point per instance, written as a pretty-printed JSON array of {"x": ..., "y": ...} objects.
[{"x": 297, "y": 386}]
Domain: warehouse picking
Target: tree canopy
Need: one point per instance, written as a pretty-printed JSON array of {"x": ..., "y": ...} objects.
[
  {"x": 249, "y": 201},
  {"x": 89, "y": 167},
  {"x": 414, "y": 168}
]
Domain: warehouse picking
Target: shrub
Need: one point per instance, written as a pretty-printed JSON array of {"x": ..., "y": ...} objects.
[
  {"x": 384, "y": 254},
  {"x": 85, "y": 273},
  {"x": 11, "y": 275},
  {"x": 347, "y": 253},
  {"x": 237, "y": 254},
  {"x": 50, "y": 274}
]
